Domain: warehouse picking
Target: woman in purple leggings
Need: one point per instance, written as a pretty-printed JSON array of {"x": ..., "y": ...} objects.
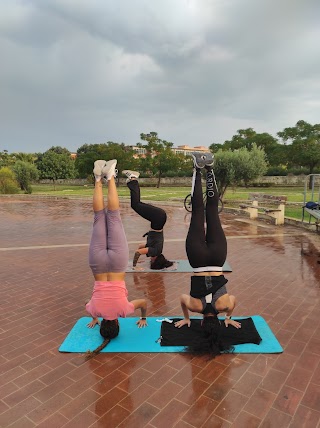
[{"x": 108, "y": 260}]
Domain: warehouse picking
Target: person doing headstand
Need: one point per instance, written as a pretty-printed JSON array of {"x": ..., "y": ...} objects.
[
  {"x": 207, "y": 252},
  {"x": 157, "y": 217},
  {"x": 108, "y": 260}
]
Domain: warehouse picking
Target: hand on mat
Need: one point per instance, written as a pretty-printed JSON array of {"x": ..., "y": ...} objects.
[
  {"x": 181, "y": 323},
  {"x": 93, "y": 323},
  {"x": 234, "y": 323},
  {"x": 142, "y": 323},
  {"x": 137, "y": 268}
]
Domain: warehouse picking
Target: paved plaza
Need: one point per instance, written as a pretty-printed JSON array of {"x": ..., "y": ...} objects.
[{"x": 45, "y": 280}]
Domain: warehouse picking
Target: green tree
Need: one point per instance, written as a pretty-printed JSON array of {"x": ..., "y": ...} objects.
[
  {"x": 88, "y": 153},
  {"x": 215, "y": 147},
  {"x": 59, "y": 150},
  {"x": 243, "y": 138},
  {"x": 25, "y": 157},
  {"x": 184, "y": 165},
  {"x": 240, "y": 166},
  {"x": 247, "y": 138},
  {"x": 305, "y": 144},
  {"x": 6, "y": 159},
  {"x": 225, "y": 170},
  {"x": 278, "y": 156},
  {"x": 159, "y": 157},
  {"x": 250, "y": 164},
  {"x": 8, "y": 183},
  {"x": 54, "y": 166},
  {"x": 25, "y": 173}
]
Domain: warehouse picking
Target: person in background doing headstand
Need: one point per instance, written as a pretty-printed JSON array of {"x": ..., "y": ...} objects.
[
  {"x": 108, "y": 260},
  {"x": 207, "y": 252},
  {"x": 157, "y": 217}
]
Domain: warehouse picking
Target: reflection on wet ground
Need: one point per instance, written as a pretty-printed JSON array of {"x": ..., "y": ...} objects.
[{"x": 45, "y": 281}]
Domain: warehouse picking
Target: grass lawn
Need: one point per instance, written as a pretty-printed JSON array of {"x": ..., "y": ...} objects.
[
  {"x": 148, "y": 193},
  {"x": 232, "y": 196},
  {"x": 294, "y": 194}
]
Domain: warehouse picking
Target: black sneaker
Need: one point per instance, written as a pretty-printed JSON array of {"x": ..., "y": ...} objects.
[{"x": 200, "y": 160}]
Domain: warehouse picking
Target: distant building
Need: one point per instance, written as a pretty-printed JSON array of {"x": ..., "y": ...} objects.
[
  {"x": 140, "y": 152},
  {"x": 184, "y": 150}
]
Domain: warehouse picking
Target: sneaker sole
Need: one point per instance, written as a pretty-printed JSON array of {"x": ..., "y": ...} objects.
[{"x": 129, "y": 173}]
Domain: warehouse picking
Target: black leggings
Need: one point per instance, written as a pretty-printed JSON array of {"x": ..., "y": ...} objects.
[
  {"x": 156, "y": 216},
  {"x": 205, "y": 249}
]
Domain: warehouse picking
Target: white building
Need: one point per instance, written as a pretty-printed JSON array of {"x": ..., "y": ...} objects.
[{"x": 184, "y": 150}]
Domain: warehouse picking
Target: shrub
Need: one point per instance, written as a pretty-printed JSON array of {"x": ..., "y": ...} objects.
[
  {"x": 276, "y": 170},
  {"x": 8, "y": 183},
  {"x": 25, "y": 173},
  {"x": 261, "y": 184}
]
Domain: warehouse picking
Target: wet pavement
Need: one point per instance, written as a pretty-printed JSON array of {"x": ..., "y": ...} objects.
[{"x": 45, "y": 280}]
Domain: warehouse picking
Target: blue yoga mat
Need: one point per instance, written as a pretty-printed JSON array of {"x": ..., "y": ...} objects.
[
  {"x": 178, "y": 266},
  {"x": 134, "y": 339}
]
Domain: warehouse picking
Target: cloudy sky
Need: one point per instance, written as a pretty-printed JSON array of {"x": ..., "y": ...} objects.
[{"x": 195, "y": 71}]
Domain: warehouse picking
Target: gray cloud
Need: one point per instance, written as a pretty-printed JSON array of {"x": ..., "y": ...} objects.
[{"x": 75, "y": 72}]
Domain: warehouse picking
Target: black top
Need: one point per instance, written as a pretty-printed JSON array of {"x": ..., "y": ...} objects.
[
  {"x": 154, "y": 243},
  {"x": 201, "y": 286},
  {"x": 185, "y": 336},
  {"x": 210, "y": 308}
]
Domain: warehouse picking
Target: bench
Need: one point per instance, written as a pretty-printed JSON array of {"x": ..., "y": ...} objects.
[
  {"x": 313, "y": 213},
  {"x": 275, "y": 208}
]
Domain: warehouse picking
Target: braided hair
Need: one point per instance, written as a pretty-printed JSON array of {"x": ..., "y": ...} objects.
[
  {"x": 210, "y": 342},
  {"x": 109, "y": 329}
]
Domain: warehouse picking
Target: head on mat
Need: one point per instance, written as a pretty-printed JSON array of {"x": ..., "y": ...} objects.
[
  {"x": 157, "y": 218},
  {"x": 160, "y": 262},
  {"x": 211, "y": 341},
  {"x": 108, "y": 259},
  {"x": 109, "y": 329},
  {"x": 207, "y": 252}
]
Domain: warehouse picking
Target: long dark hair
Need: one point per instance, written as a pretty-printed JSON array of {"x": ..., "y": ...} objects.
[
  {"x": 160, "y": 263},
  {"x": 108, "y": 330},
  {"x": 210, "y": 342}
]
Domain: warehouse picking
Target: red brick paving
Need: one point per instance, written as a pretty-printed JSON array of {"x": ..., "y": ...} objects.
[{"x": 43, "y": 291}]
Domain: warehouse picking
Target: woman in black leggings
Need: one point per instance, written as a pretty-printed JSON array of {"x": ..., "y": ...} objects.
[
  {"x": 157, "y": 217},
  {"x": 207, "y": 252}
]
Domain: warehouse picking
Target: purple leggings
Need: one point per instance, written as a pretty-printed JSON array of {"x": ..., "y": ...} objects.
[{"x": 108, "y": 251}]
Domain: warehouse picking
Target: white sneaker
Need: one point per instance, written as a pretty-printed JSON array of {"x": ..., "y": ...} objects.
[
  {"x": 98, "y": 167},
  {"x": 131, "y": 174},
  {"x": 109, "y": 170}
]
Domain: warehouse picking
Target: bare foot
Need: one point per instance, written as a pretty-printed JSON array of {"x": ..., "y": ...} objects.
[{"x": 138, "y": 268}]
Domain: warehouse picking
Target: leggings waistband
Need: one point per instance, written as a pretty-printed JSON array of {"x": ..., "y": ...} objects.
[{"x": 208, "y": 269}]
